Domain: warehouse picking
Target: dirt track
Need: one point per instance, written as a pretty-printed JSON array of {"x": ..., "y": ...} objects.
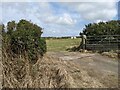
[
  {"x": 87, "y": 70},
  {"x": 100, "y": 67}
]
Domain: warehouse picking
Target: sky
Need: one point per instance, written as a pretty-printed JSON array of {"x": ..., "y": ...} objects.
[
  {"x": 60, "y": 18},
  {"x": 119, "y": 10}
]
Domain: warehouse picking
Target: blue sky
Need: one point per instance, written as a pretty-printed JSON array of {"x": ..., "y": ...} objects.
[{"x": 59, "y": 18}]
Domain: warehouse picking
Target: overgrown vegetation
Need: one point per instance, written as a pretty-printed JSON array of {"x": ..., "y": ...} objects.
[
  {"x": 102, "y": 28},
  {"x": 23, "y": 39},
  {"x": 101, "y": 33}
]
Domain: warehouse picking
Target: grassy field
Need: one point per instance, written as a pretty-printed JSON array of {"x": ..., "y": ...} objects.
[{"x": 61, "y": 44}]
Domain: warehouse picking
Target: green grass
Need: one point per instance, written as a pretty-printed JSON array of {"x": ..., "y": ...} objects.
[{"x": 61, "y": 44}]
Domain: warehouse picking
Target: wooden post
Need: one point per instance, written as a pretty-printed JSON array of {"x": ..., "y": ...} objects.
[{"x": 84, "y": 42}]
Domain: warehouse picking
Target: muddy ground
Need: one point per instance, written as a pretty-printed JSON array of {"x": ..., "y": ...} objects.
[{"x": 98, "y": 67}]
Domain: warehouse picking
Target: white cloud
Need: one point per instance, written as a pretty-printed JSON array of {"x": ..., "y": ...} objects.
[
  {"x": 93, "y": 11},
  {"x": 24, "y": 10},
  {"x": 97, "y": 21},
  {"x": 64, "y": 19},
  {"x": 58, "y": 0},
  {"x": 57, "y": 30},
  {"x": 0, "y": 13},
  {"x": 68, "y": 21},
  {"x": 102, "y": 11}
]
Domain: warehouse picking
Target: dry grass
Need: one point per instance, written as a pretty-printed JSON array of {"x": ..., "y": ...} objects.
[
  {"x": 111, "y": 55},
  {"x": 48, "y": 72}
]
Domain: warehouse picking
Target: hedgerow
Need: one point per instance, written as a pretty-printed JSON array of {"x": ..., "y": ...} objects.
[{"x": 24, "y": 38}]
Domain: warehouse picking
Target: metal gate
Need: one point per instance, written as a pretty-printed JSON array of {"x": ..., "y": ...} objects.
[{"x": 103, "y": 42}]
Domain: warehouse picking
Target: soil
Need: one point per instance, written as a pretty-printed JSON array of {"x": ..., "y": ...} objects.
[{"x": 98, "y": 67}]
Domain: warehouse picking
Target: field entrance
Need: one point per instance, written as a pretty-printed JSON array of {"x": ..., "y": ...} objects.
[{"x": 93, "y": 64}]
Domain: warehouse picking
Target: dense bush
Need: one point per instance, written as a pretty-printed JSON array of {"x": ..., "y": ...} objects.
[
  {"x": 24, "y": 38},
  {"x": 102, "y": 28}
]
